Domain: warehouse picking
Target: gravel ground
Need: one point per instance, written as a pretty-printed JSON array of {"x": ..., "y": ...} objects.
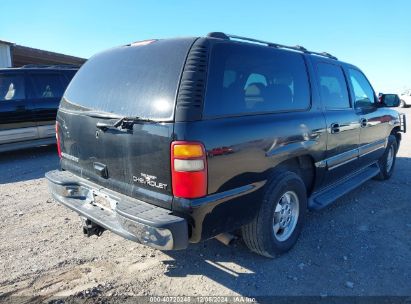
[{"x": 361, "y": 245}]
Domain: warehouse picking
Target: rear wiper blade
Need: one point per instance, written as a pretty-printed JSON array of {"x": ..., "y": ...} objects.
[{"x": 123, "y": 123}]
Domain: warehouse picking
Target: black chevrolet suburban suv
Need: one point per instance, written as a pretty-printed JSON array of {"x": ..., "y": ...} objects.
[
  {"x": 29, "y": 99},
  {"x": 175, "y": 141}
]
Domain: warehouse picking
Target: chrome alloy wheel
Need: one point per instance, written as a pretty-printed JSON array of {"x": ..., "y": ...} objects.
[
  {"x": 390, "y": 158},
  {"x": 285, "y": 216}
]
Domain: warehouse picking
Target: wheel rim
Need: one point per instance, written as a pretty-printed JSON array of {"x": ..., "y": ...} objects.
[
  {"x": 285, "y": 216},
  {"x": 390, "y": 158}
]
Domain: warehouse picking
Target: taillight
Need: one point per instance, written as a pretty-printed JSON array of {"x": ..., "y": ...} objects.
[
  {"x": 188, "y": 169},
  {"x": 58, "y": 139}
]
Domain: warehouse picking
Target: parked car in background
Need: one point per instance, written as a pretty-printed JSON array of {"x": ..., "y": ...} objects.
[
  {"x": 405, "y": 99},
  {"x": 236, "y": 133},
  {"x": 29, "y": 99}
]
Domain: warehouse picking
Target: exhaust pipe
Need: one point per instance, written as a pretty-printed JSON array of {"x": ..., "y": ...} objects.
[{"x": 226, "y": 238}]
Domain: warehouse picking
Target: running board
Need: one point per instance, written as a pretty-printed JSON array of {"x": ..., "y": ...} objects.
[{"x": 328, "y": 195}]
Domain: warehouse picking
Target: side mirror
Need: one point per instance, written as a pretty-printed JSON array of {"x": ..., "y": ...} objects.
[{"x": 389, "y": 100}]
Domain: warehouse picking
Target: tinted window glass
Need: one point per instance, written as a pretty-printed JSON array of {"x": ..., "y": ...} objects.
[
  {"x": 333, "y": 88},
  {"x": 252, "y": 79},
  {"x": 11, "y": 87},
  {"x": 363, "y": 92},
  {"x": 67, "y": 76},
  {"x": 46, "y": 86},
  {"x": 131, "y": 80},
  {"x": 255, "y": 78}
]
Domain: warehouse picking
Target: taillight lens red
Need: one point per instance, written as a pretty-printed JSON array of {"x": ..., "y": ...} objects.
[
  {"x": 188, "y": 169},
  {"x": 58, "y": 139}
]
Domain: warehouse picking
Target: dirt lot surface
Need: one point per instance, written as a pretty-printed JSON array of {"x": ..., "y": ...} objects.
[{"x": 361, "y": 245}]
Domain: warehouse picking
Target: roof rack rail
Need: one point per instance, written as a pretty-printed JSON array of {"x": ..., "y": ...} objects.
[
  {"x": 300, "y": 48},
  {"x": 50, "y": 66}
]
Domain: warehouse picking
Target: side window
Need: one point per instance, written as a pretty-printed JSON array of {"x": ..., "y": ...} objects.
[
  {"x": 363, "y": 92},
  {"x": 247, "y": 79},
  {"x": 254, "y": 89},
  {"x": 67, "y": 76},
  {"x": 229, "y": 78},
  {"x": 11, "y": 87},
  {"x": 47, "y": 86},
  {"x": 255, "y": 78},
  {"x": 333, "y": 88}
]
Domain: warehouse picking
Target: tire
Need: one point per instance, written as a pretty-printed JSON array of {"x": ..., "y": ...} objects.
[
  {"x": 402, "y": 104},
  {"x": 285, "y": 192},
  {"x": 387, "y": 166}
]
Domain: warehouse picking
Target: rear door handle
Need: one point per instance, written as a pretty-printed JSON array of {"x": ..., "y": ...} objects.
[
  {"x": 363, "y": 122},
  {"x": 335, "y": 128}
]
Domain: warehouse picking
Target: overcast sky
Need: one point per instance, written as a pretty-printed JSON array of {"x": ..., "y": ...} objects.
[{"x": 374, "y": 35}]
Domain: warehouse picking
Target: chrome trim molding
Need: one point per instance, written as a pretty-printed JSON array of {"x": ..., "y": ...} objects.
[
  {"x": 346, "y": 157},
  {"x": 321, "y": 164},
  {"x": 341, "y": 159},
  {"x": 372, "y": 147},
  {"x": 343, "y": 163}
]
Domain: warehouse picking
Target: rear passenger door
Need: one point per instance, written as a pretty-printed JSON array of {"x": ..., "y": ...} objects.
[
  {"x": 46, "y": 90},
  {"x": 343, "y": 128},
  {"x": 374, "y": 125},
  {"x": 16, "y": 113}
]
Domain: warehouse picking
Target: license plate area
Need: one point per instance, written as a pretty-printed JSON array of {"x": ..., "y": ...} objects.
[{"x": 103, "y": 201}]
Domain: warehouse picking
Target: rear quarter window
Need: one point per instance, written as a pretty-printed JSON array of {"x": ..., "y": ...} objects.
[{"x": 249, "y": 79}]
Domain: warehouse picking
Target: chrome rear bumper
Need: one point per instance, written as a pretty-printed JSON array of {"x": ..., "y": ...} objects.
[{"x": 128, "y": 217}]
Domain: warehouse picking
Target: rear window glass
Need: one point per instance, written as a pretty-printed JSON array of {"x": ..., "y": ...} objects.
[
  {"x": 246, "y": 79},
  {"x": 131, "y": 80}
]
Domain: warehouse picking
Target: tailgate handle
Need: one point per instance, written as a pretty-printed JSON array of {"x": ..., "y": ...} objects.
[{"x": 101, "y": 169}]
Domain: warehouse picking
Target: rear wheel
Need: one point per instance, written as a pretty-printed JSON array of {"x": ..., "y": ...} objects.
[
  {"x": 278, "y": 223},
  {"x": 387, "y": 161}
]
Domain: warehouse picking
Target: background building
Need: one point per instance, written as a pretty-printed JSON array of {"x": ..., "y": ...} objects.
[{"x": 14, "y": 55}]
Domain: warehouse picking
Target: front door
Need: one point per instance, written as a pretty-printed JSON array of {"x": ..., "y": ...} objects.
[{"x": 374, "y": 123}]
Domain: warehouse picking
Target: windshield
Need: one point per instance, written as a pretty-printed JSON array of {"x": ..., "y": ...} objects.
[{"x": 133, "y": 81}]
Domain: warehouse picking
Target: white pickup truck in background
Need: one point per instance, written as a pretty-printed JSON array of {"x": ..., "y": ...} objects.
[{"x": 405, "y": 98}]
